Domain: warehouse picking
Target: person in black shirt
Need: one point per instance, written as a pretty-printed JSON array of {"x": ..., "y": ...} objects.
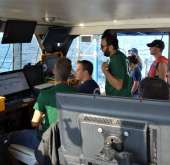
[{"x": 84, "y": 75}]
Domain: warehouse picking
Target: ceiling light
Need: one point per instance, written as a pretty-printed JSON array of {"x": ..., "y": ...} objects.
[
  {"x": 49, "y": 19},
  {"x": 81, "y": 24},
  {"x": 114, "y": 21}
]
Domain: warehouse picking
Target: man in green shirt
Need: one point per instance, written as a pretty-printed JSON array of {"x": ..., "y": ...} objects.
[
  {"x": 118, "y": 82},
  {"x": 46, "y": 111}
]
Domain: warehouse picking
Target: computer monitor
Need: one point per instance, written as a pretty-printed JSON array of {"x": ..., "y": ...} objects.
[
  {"x": 55, "y": 38},
  {"x": 18, "y": 31},
  {"x": 12, "y": 82},
  {"x": 34, "y": 74},
  {"x": 50, "y": 62},
  {"x": 107, "y": 130}
]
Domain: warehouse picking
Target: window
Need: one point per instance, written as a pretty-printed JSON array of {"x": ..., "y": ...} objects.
[
  {"x": 30, "y": 54},
  {"x": 6, "y": 51},
  {"x": 91, "y": 51}
]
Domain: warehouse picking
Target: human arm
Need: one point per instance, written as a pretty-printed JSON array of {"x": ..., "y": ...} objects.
[
  {"x": 37, "y": 118},
  {"x": 134, "y": 87},
  {"x": 169, "y": 78},
  {"x": 162, "y": 71},
  {"x": 39, "y": 112},
  {"x": 136, "y": 77},
  {"x": 113, "y": 81}
]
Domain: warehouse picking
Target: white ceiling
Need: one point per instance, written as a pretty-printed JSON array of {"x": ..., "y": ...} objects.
[{"x": 84, "y": 11}]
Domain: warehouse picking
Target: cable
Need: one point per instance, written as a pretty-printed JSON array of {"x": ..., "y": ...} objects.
[{"x": 5, "y": 57}]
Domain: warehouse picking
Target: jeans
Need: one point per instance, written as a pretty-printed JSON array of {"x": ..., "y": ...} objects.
[{"x": 27, "y": 138}]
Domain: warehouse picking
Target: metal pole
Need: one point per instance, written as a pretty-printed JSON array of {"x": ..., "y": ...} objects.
[{"x": 17, "y": 56}]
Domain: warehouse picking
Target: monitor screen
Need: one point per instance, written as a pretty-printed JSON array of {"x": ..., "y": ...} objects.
[
  {"x": 55, "y": 38},
  {"x": 50, "y": 62},
  {"x": 34, "y": 74},
  {"x": 18, "y": 31},
  {"x": 111, "y": 130},
  {"x": 12, "y": 82}
]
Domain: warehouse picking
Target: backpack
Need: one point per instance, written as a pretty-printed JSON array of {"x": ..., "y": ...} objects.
[{"x": 154, "y": 88}]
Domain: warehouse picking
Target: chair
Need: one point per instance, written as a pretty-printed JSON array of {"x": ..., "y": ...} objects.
[{"x": 23, "y": 154}]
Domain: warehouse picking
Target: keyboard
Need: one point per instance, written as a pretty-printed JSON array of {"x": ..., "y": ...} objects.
[{"x": 18, "y": 103}]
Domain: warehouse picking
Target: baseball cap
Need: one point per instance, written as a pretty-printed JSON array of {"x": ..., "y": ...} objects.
[{"x": 157, "y": 43}]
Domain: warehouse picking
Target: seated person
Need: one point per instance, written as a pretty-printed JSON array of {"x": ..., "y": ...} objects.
[
  {"x": 135, "y": 74},
  {"x": 45, "y": 107},
  {"x": 84, "y": 75}
]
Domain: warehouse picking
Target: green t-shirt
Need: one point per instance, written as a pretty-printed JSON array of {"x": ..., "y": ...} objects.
[
  {"x": 118, "y": 68},
  {"x": 46, "y": 103}
]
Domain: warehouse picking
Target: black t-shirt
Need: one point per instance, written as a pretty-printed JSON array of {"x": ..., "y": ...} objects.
[{"x": 88, "y": 87}]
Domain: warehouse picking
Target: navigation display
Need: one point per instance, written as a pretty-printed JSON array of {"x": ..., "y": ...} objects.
[{"x": 13, "y": 82}]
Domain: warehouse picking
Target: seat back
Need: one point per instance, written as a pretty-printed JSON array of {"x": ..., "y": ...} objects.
[{"x": 23, "y": 154}]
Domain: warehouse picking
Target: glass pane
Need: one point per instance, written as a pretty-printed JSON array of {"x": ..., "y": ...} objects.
[
  {"x": 30, "y": 52},
  {"x": 91, "y": 51},
  {"x": 127, "y": 42},
  {"x": 6, "y": 54}
]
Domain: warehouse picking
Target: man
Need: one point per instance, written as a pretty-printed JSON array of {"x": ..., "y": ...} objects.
[
  {"x": 84, "y": 75},
  {"x": 159, "y": 67},
  {"x": 118, "y": 82},
  {"x": 45, "y": 107}
]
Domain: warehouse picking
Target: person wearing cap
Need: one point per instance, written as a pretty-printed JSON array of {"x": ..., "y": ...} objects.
[
  {"x": 159, "y": 67},
  {"x": 118, "y": 82},
  {"x": 135, "y": 74},
  {"x": 134, "y": 51}
]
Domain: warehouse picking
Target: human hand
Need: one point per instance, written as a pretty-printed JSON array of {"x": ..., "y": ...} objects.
[{"x": 105, "y": 67}]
